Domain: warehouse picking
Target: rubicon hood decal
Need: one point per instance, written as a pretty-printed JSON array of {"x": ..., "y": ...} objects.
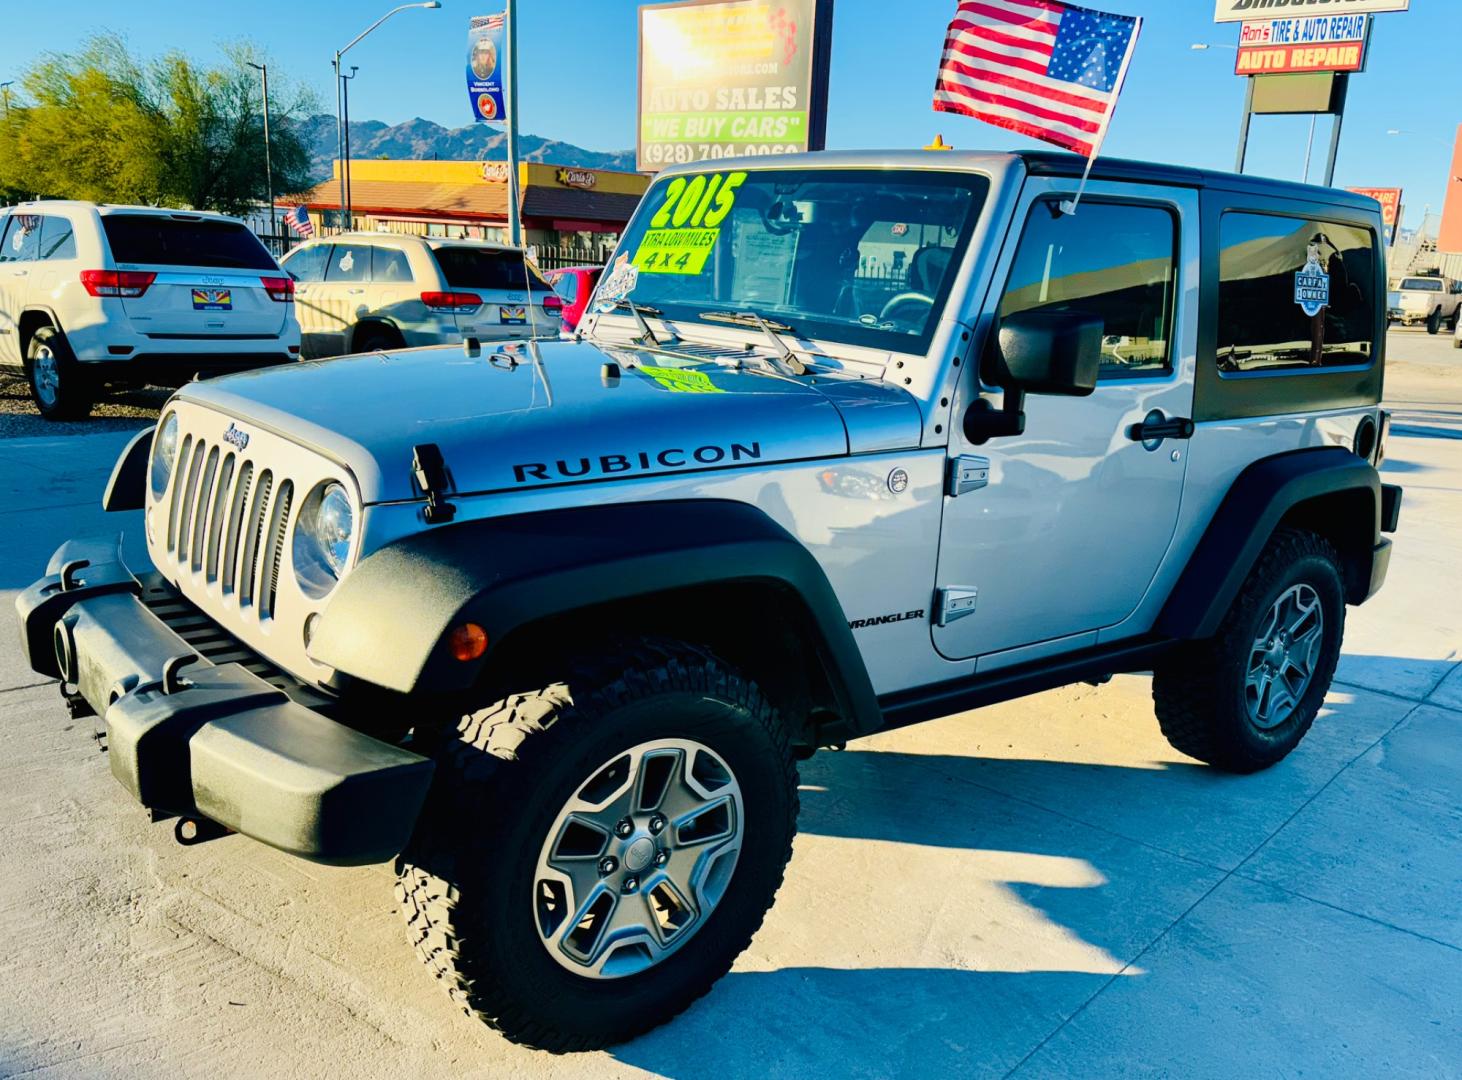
[{"x": 505, "y": 423}]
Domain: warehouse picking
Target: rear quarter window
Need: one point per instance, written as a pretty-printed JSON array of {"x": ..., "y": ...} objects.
[
  {"x": 485, "y": 268},
  {"x": 152, "y": 240},
  {"x": 1294, "y": 294}
]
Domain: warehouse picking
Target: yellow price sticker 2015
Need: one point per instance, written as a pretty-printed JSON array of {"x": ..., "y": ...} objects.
[{"x": 684, "y": 229}]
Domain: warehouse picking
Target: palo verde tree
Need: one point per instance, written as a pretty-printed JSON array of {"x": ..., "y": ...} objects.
[{"x": 98, "y": 125}]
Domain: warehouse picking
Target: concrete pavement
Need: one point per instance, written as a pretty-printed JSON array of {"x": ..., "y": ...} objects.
[{"x": 1043, "y": 888}]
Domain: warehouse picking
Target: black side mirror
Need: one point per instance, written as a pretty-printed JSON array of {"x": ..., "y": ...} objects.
[
  {"x": 1046, "y": 352},
  {"x": 1035, "y": 352}
]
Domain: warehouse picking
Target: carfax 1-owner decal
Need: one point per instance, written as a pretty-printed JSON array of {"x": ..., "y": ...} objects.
[{"x": 687, "y": 224}]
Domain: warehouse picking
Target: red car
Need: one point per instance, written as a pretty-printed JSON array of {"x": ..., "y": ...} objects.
[{"x": 575, "y": 284}]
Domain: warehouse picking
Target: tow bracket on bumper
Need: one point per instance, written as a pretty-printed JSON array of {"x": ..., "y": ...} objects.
[{"x": 189, "y": 737}]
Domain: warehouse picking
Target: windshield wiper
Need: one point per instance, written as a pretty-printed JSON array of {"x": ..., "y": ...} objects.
[
  {"x": 639, "y": 311},
  {"x": 766, "y": 326}
]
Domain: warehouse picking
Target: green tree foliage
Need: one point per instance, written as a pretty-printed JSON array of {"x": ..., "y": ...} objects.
[{"x": 100, "y": 126}]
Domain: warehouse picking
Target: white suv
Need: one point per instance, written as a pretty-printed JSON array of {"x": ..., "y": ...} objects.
[
  {"x": 359, "y": 292},
  {"x": 96, "y": 295}
]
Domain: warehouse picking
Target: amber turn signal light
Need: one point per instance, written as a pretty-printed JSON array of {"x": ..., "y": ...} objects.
[{"x": 468, "y": 641}]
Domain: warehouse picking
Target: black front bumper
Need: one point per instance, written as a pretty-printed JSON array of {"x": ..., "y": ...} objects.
[{"x": 189, "y": 736}]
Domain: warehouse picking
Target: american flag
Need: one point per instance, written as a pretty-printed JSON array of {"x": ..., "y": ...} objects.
[
  {"x": 298, "y": 219},
  {"x": 1040, "y": 67}
]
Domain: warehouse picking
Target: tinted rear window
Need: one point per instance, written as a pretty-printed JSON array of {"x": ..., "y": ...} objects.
[
  {"x": 161, "y": 241},
  {"x": 1419, "y": 284},
  {"x": 483, "y": 268}
]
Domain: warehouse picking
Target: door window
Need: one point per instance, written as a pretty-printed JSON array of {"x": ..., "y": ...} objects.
[
  {"x": 308, "y": 264},
  {"x": 349, "y": 262},
  {"x": 1294, "y": 294},
  {"x": 389, "y": 265},
  {"x": 1116, "y": 261},
  {"x": 57, "y": 239},
  {"x": 22, "y": 239}
]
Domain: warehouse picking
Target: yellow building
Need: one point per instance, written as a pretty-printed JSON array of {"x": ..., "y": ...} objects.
[{"x": 561, "y": 206}]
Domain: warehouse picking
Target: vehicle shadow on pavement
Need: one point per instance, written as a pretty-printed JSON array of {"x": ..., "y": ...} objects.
[{"x": 1014, "y": 889}]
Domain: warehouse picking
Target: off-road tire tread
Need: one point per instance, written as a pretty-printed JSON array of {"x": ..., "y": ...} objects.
[
  {"x": 488, "y": 743},
  {"x": 1187, "y": 686}
]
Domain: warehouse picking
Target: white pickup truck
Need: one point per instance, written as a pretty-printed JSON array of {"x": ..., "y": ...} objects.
[{"x": 1429, "y": 299}]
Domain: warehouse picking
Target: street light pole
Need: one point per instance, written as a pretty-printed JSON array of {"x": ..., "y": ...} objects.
[
  {"x": 340, "y": 136},
  {"x": 263, "y": 70},
  {"x": 5, "y": 91},
  {"x": 515, "y": 223},
  {"x": 345, "y": 83}
]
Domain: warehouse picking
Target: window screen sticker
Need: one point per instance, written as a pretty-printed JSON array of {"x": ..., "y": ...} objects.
[
  {"x": 1311, "y": 282},
  {"x": 684, "y": 230},
  {"x": 616, "y": 285}
]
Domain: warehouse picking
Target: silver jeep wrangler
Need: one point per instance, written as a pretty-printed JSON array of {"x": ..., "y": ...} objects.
[{"x": 847, "y": 442}]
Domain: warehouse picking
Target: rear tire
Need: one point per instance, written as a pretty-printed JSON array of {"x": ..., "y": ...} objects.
[
  {"x": 58, "y": 386},
  {"x": 1434, "y": 321},
  {"x": 490, "y": 893},
  {"x": 377, "y": 339},
  {"x": 1281, "y": 637}
]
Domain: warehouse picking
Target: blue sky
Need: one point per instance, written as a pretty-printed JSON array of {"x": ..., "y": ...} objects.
[{"x": 579, "y": 76}]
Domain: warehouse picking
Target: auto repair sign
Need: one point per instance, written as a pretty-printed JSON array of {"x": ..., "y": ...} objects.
[
  {"x": 1244, "y": 10},
  {"x": 1286, "y": 46}
]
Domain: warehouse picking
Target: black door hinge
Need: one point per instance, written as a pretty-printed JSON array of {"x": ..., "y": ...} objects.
[{"x": 430, "y": 470}]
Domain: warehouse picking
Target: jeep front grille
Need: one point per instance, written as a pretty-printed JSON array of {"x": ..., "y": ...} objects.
[{"x": 228, "y": 525}]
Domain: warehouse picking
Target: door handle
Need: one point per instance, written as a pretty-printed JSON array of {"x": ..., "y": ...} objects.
[
  {"x": 1155, "y": 427},
  {"x": 355, "y": 292}
]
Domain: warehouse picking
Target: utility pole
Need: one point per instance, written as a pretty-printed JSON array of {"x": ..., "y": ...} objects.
[
  {"x": 340, "y": 135},
  {"x": 5, "y": 91},
  {"x": 515, "y": 224},
  {"x": 263, "y": 70}
]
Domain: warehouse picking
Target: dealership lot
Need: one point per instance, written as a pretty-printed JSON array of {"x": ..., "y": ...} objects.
[{"x": 1042, "y": 887}]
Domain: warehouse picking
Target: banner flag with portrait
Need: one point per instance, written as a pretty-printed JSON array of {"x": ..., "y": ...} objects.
[{"x": 486, "y": 57}]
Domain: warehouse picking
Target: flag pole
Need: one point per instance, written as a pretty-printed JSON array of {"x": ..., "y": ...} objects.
[{"x": 1068, "y": 206}]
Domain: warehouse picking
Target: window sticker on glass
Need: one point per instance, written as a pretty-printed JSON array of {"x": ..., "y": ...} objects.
[
  {"x": 616, "y": 285},
  {"x": 684, "y": 230},
  {"x": 347, "y": 263},
  {"x": 1311, "y": 283}
]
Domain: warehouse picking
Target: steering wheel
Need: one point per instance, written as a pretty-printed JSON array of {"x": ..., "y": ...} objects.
[{"x": 905, "y": 300}]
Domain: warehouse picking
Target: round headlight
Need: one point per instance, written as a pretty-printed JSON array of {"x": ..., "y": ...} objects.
[
  {"x": 322, "y": 539},
  {"x": 164, "y": 454}
]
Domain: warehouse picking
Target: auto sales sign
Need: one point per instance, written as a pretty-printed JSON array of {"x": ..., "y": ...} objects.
[{"x": 1286, "y": 46}]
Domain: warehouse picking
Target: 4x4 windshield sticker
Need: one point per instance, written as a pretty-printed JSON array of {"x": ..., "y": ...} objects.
[
  {"x": 1311, "y": 283},
  {"x": 616, "y": 285},
  {"x": 684, "y": 230}
]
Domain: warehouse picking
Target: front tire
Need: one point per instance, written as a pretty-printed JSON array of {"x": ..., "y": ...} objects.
[
  {"x": 1243, "y": 699},
  {"x": 597, "y": 852},
  {"x": 59, "y": 388}
]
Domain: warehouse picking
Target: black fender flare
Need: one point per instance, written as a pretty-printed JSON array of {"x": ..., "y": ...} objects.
[
  {"x": 127, "y": 486},
  {"x": 1262, "y": 496},
  {"x": 389, "y": 620}
]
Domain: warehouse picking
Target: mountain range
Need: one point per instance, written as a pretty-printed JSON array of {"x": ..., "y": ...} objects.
[{"x": 423, "y": 140}]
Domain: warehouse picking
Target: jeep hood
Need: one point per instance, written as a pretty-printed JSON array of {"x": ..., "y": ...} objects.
[{"x": 504, "y": 422}]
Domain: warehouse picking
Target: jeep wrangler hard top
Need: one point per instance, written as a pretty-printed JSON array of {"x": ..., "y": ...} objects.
[{"x": 846, "y": 442}]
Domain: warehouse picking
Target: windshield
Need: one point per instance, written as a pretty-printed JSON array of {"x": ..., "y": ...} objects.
[
  {"x": 858, "y": 256},
  {"x": 1421, "y": 284}
]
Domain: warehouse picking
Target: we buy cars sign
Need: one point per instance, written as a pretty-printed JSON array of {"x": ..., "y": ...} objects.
[{"x": 1286, "y": 46}]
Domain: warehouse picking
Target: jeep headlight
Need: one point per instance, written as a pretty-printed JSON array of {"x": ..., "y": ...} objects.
[
  {"x": 164, "y": 455},
  {"x": 322, "y": 538}
]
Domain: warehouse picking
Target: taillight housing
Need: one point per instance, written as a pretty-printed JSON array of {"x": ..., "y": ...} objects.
[
  {"x": 128, "y": 284},
  {"x": 553, "y": 302},
  {"x": 451, "y": 301},
  {"x": 279, "y": 288}
]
